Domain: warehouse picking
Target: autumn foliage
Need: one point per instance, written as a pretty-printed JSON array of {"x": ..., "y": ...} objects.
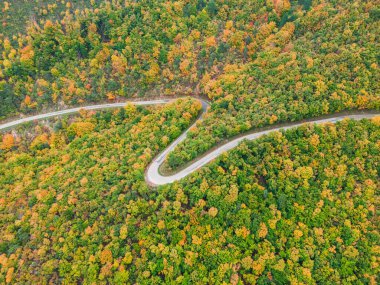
[
  {"x": 292, "y": 207},
  {"x": 295, "y": 207},
  {"x": 8, "y": 141}
]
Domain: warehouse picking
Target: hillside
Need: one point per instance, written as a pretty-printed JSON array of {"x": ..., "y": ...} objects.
[
  {"x": 260, "y": 62},
  {"x": 291, "y": 207}
]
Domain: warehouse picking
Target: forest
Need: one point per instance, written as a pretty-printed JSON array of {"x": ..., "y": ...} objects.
[
  {"x": 294, "y": 207},
  {"x": 260, "y": 62}
]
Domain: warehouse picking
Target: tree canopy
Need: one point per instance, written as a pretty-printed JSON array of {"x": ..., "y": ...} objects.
[{"x": 292, "y": 207}]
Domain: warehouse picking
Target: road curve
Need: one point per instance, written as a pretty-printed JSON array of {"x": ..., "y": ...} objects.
[
  {"x": 154, "y": 177},
  {"x": 152, "y": 174}
]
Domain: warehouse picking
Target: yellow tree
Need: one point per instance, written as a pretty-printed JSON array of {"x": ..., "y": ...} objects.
[{"x": 8, "y": 141}]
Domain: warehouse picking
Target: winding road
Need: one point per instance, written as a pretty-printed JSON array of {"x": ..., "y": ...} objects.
[{"x": 152, "y": 173}]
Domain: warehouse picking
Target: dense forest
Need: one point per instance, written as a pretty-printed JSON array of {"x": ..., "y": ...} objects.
[
  {"x": 293, "y": 207},
  {"x": 260, "y": 62}
]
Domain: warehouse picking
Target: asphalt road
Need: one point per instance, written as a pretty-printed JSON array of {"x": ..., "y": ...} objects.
[
  {"x": 152, "y": 174},
  {"x": 75, "y": 110}
]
